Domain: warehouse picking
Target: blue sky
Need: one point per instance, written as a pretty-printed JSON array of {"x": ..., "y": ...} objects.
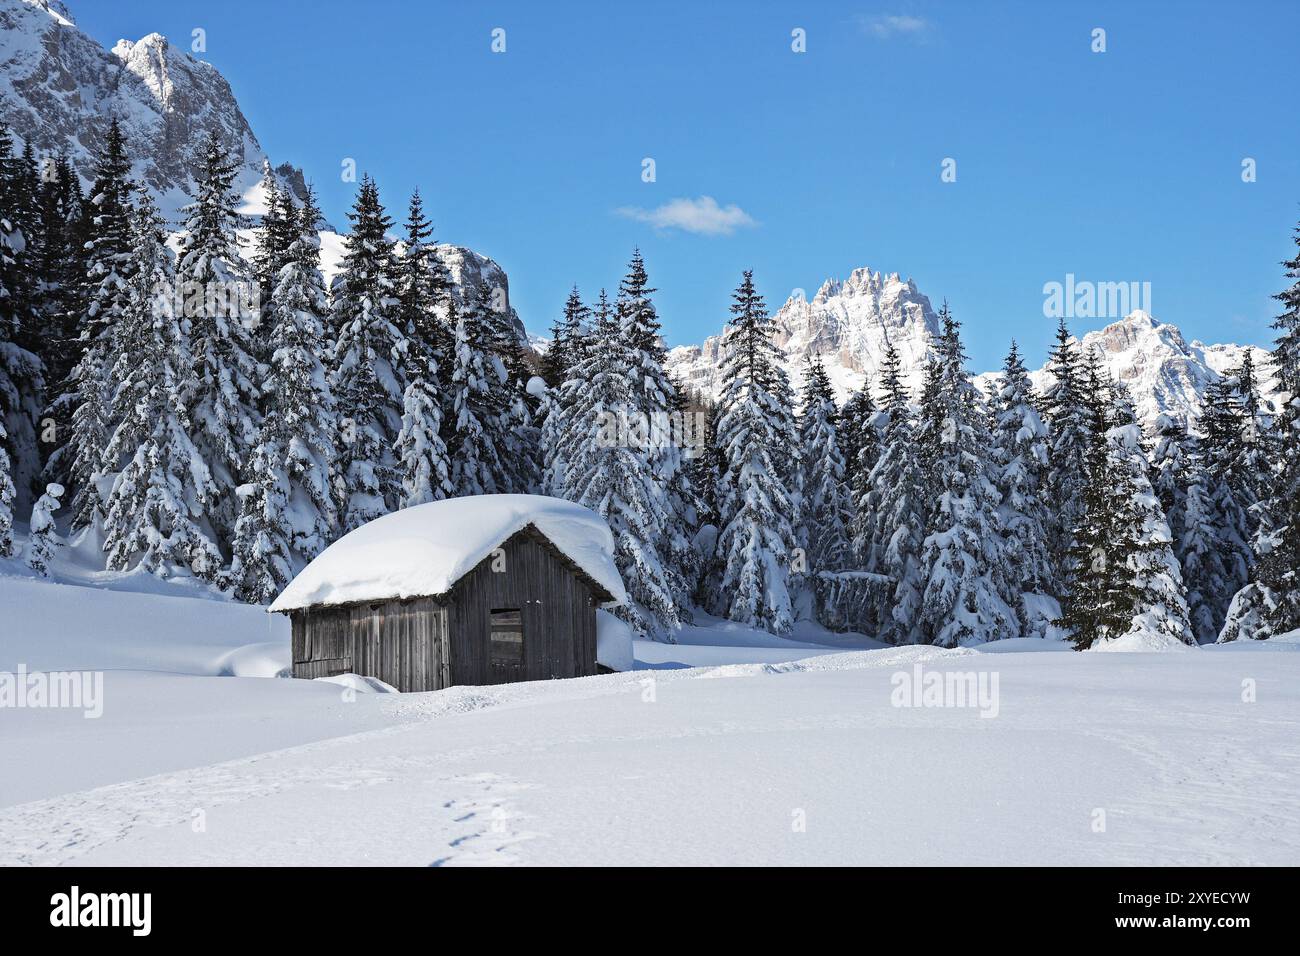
[{"x": 1117, "y": 166}]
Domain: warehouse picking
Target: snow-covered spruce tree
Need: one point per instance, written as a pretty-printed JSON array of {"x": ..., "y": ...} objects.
[
  {"x": 261, "y": 562},
  {"x": 1097, "y": 599},
  {"x": 561, "y": 432},
  {"x": 510, "y": 411},
  {"x": 967, "y": 597},
  {"x": 893, "y": 513},
  {"x": 826, "y": 509},
  {"x": 422, "y": 289},
  {"x": 22, "y": 373},
  {"x": 20, "y": 184},
  {"x": 421, "y": 453},
  {"x": 704, "y": 464},
  {"x": 1257, "y": 468},
  {"x": 46, "y": 215},
  {"x": 1172, "y": 461},
  {"x": 1123, "y": 579},
  {"x": 567, "y": 348},
  {"x": 754, "y": 500},
  {"x": 426, "y": 358},
  {"x": 1221, "y": 460},
  {"x": 566, "y": 340},
  {"x": 859, "y": 438},
  {"x": 611, "y": 474},
  {"x": 684, "y": 501},
  {"x": 1270, "y": 604},
  {"x": 826, "y": 512},
  {"x": 550, "y": 475},
  {"x": 1020, "y": 458},
  {"x": 279, "y": 230},
  {"x": 22, "y": 381},
  {"x": 161, "y": 491},
  {"x": 108, "y": 207},
  {"x": 1068, "y": 437},
  {"x": 656, "y": 402},
  {"x": 1179, "y": 480},
  {"x": 1194, "y": 545},
  {"x": 704, "y": 469},
  {"x": 479, "y": 404},
  {"x": 1161, "y": 615},
  {"x": 21, "y": 215},
  {"x": 299, "y": 388},
  {"x": 1281, "y": 571},
  {"x": 521, "y": 426},
  {"x": 287, "y": 504},
  {"x": 44, "y": 537},
  {"x": 62, "y": 271},
  {"x": 216, "y": 285},
  {"x": 61, "y": 263},
  {"x": 367, "y": 387}
]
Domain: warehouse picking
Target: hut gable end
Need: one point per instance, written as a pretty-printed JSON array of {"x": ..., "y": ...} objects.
[{"x": 556, "y": 600}]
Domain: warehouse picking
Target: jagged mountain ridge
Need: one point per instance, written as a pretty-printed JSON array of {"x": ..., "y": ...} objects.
[
  {"x": 1166, "y": 373},
  {"x": 848, "y": 324},
  {"x": 59, "y": 89}
]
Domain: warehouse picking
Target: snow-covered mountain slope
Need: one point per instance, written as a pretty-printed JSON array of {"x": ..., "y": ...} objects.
[
  {"x": 59, "y": 88},
  {"x": 1166, "y": 373},
  {"x": 849, "y": 323}
]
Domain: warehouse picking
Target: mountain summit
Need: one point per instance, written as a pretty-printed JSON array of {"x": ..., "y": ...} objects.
[
  {"x": 849, "y": 323},
  {"x": 59, "y": 88},
  {"x": 1166, "y": 373}
]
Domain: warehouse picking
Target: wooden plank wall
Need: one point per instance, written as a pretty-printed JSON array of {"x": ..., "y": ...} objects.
[
  {"x": 400, "y": 642},
  {"x": 559, "y": 614}
]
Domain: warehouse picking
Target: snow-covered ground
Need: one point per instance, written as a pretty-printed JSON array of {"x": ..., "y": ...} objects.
[{"x": 730, "y": 746}]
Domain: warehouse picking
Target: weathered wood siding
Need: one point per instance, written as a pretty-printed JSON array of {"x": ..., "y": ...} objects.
[
  {"x": 403, "y": 643},
  {"x": 559, "y": 613},
  {"x": 428, "y": 643}
]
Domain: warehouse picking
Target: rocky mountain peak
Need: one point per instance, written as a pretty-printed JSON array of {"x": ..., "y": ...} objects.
[
  {"x": 56, "y": 9},
  {"x": 863, "y": 282},
  {"x": 59, "y": 90},
  {"x": 1166, "y": 374},
  {"x": 850, "y": 322},
  {"x": 847, "y": 324}
]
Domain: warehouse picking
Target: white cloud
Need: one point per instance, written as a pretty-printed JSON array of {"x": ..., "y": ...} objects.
[
  {"x": 701, "y": 216},
  {"x": 892, "y": 25}
]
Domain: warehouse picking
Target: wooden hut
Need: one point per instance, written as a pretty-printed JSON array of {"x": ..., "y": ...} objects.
[{"x": 480, "y": 590}]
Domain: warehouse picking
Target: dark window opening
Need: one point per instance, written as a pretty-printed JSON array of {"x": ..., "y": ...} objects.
[{"x": 507, "y": 636}]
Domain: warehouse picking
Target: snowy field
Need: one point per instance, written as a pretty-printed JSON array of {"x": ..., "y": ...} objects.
[{"x": 729, "y": 747}]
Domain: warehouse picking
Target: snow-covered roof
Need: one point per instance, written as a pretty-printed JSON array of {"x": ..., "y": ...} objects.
[{"x": 423, "y": 551}]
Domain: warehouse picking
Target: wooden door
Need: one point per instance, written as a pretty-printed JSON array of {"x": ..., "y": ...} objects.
[{"x": 506, "y": 649}]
